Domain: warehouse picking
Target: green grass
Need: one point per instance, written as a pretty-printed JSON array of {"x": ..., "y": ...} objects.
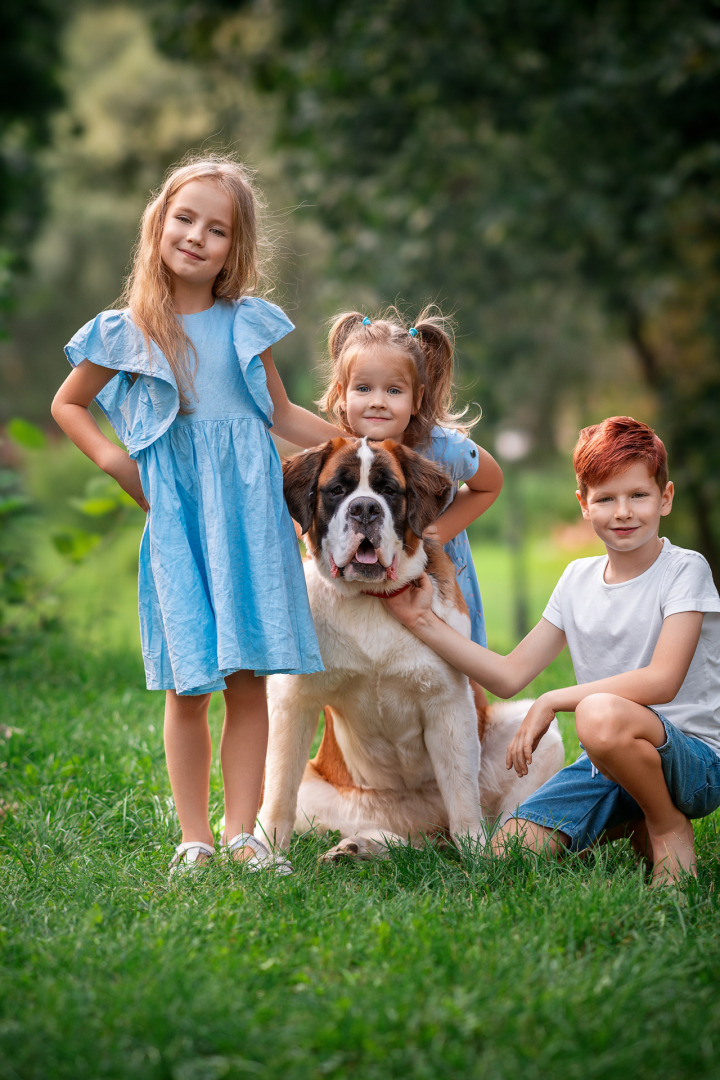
[{"x": 430, "y": 964}]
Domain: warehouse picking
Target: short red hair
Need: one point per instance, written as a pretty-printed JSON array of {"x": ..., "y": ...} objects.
[{"x": 612, "y": 446}]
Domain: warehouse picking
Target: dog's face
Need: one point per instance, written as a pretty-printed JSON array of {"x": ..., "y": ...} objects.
[{"x": 363, "y": 506}]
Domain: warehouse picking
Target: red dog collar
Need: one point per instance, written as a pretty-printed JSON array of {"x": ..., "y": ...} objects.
[{"x": 387, "y": 595}]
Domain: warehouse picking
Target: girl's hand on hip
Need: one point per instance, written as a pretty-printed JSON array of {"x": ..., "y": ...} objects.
[{"x": 124, "y": 469}]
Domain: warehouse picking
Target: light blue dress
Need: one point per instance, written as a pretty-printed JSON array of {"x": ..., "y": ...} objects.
[
  {"x": 459, "y": 456},
  {"x": 221, "y": 584}
]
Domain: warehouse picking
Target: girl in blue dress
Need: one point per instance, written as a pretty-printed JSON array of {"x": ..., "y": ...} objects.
[
  {"x": 185, "y": 374},
  {"x": 388, "y": 380}
]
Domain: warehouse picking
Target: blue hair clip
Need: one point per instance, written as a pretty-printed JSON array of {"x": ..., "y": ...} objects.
[
  {"x": 413, "y": 332},
  {"x": 366, "y": 321}
]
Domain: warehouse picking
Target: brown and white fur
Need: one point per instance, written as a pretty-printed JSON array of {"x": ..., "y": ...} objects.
[{"x": 404, "y": 754}]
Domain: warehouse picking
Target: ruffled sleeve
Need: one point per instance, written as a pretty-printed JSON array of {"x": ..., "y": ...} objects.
[
  {"x": 258, "y": 324},
  {"x": 455, "y": 452},
  {"x": 140, "y": 410}
]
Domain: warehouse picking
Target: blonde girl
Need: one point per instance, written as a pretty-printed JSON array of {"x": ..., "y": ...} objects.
[
  {"x": 392, "y": 380},
  {"x": 185, "y": 374}
]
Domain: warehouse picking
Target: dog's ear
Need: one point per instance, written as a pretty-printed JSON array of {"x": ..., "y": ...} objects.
[
  {"x": 428, "y": 488},
  {"x": 300, "y": 477}
]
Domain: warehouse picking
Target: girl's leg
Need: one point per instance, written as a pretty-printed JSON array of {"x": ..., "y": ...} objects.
[
  {"x": 621, "y": 739},
  {"x": 242, "y": 752},
  {"x": 188, "y": 751}
]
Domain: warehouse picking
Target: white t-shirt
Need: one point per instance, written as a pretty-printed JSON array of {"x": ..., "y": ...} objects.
[{"x": 611, "y": 629}]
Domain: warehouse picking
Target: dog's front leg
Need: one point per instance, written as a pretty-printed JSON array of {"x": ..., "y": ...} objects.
[
  {"x": 293, "y": 716},
  {"x": 452, "y": 743}
]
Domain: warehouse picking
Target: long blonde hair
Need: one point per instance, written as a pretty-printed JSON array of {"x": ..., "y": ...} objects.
[
  {"x": 429, "y": 356},
  {"x": 148, "y": 288}
]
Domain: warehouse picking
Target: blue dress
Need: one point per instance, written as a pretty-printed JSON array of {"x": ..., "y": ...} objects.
[
  {"x": 459, "y": 457},
  {"x": 221, "y": 584}
]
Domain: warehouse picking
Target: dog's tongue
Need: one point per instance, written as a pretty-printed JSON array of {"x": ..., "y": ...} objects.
[{"x": 366, "y": 554}]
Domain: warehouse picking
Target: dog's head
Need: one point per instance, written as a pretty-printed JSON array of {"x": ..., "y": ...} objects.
[{"x": 363, "y": 506}]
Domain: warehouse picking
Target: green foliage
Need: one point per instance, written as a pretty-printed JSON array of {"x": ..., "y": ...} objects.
[
  {"x": 27, "y": 435},
  {"x": 597, "y": 121},
  {"x": 183, "y": 27},
  {"x": 107, "y": 505},
  {"x": 28, "y": 590},
  {"x": 29, "y": 94},
  {"x": 15, "y": 575}
]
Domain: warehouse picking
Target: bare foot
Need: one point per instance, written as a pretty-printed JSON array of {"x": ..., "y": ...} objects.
[
  {"x": 673, "y": 854},
  {"x": 640, "y": 839}
]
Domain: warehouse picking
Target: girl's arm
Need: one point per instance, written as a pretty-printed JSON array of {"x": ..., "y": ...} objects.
[
  {"x": 70, "y": 410},
  {"x": 655, "y": 684},
  {"x": 503, "y": 676},
  {"x": 291, "y": 422},
  {"x": 472, "y": 500}
]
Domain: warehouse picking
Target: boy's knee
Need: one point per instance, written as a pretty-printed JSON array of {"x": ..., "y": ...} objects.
[{"x": 599, "y": 719}]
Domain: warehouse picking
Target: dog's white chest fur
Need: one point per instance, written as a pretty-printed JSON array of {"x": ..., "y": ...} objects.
[{"x": 383, "y": 684}]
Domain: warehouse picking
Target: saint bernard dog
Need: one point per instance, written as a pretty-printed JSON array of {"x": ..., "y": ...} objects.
[{"x": 404, "y": 754}]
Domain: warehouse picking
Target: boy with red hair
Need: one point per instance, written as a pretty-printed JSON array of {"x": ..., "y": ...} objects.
[{"x": 642, "y": 624}]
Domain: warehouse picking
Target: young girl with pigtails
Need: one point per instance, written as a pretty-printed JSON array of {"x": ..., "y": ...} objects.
[
  {"x": 185, "y": 374},
  {"x": 390, "y": 380}
]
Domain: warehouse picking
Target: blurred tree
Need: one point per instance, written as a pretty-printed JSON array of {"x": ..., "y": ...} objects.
[
  {"x": 131, "y": 111},
  {"x": 422, "y": 198},
  {"x": 29, "y": 94},
  {"x": 490, "y": 152}
]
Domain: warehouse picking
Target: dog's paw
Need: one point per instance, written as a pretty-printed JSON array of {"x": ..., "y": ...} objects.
[{"x": 355, "y": 847}]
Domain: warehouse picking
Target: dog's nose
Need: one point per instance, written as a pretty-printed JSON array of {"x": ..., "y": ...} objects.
[{"x": 364, "y": 511}]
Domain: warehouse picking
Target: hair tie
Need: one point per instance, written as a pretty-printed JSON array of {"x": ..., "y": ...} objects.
[
  {"x": 413, "y": 332},
  {"x": 366, "y": 321}
]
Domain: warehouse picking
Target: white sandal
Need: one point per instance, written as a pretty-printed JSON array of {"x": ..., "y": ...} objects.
[
  {"x": 186, "y": 859},
  {"x": 262, "y": 859}
]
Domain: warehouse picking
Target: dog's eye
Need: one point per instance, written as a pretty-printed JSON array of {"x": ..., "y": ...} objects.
[
  {"x": 336, "y": 491},
  {"x": 388, "y": 489}
]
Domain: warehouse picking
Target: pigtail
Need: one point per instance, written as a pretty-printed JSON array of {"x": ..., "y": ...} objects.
[
  {"x": 436, "y": 340},
  {"x": 340, "y": 331},
  {"x": 342, "y": 328}
]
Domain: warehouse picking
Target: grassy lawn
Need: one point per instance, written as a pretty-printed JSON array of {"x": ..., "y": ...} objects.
[{"x": 429, "y": 964}]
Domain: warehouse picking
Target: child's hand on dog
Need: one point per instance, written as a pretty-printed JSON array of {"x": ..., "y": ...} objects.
[{"x": 412, "y": 606}]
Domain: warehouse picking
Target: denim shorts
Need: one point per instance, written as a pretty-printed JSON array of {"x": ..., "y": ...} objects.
[{"x": 582, "y": 803}]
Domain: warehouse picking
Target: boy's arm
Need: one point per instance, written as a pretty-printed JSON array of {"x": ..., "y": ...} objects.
[
  {"x": 477, "y": 494},
  {"x": 655, "y": 684},
  {"x": 501, "y": 675},
  {"x": 293, "y": 423}
]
